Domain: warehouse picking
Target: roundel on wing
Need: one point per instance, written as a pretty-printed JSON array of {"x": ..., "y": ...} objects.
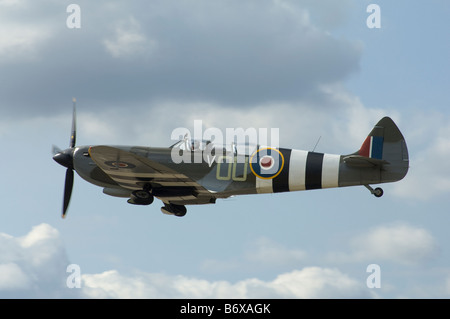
[
  {"x": 267, "y": 163},
  {"x": 119, "y": 164}
]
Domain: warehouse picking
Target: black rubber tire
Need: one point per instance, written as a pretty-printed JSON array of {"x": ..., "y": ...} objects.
[
  {"x": 142, "y": 197},
  {"x": 178, "y": 210},
  {"x": 378, "y": 192}
]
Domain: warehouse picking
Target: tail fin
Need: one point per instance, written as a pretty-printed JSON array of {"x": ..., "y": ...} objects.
[
  {"x": 385, "y": 146},
  {"x": 373, "y": 144}
]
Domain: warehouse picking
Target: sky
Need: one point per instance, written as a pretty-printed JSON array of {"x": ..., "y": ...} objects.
[{"x": 139, "y": 70}]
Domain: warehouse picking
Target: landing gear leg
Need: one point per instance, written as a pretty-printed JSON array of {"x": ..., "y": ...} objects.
[{"x": 377, "y": 192}]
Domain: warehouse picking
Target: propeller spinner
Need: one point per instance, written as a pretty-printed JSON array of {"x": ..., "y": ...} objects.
[{"x": 65, "y": 158}]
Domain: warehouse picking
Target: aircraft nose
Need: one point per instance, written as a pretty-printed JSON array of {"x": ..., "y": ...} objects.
[{"x": 64, "y": 158}]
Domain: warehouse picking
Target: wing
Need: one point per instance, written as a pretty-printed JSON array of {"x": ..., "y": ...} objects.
[{"x": 132, "y": 168}]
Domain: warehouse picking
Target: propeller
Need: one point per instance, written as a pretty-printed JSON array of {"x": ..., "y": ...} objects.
[{"x": 65, "y": 158}]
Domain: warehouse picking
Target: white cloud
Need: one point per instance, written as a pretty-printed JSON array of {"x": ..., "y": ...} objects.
[
  {"x": 342, "y": 121},
  {"x": 399, "y": 243},
  {"x": 44, "y": 241},
  {"x": 12, "y": 277},
  {"x": 428, "y": 142},
  {"x": 267, "y": 252},
  {"x": 260, "y": 253},
  {"x": 310, "y": 282},
  {"x": 34, "y": 266},
  {"x": 339, "y": 117},
  {"x": 317, "y": 282}
]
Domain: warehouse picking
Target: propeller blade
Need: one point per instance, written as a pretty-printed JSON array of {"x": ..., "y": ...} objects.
[
  {"x": 55, "y": 150},
  {"x": 73, "y": 136},
  {"x": 65, "y": 158},
  {"x": 67, "y": 190}
]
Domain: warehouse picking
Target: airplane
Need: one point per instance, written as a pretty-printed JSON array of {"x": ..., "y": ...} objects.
[{"x": 142, "y": 173}]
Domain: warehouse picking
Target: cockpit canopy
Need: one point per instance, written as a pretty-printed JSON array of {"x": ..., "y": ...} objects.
[
  {"x": 192, "y": 145},
  {"x": 207, "y": 145}
]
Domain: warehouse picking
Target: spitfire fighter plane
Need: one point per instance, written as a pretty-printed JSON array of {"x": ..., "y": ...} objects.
[{"x": 143, "y": 173}]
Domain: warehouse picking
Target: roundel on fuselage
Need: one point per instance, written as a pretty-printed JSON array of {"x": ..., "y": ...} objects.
[{"x": 267, "y": 163}]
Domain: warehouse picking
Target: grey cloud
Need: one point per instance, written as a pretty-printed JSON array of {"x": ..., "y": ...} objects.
[{"x": 235, "y": 53}]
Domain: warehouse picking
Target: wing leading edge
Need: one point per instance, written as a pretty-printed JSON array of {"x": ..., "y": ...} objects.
[{"x": 132, "y": 169}]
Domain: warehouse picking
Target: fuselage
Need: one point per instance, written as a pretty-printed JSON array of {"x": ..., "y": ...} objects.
[{"x": 267, "y": 170}]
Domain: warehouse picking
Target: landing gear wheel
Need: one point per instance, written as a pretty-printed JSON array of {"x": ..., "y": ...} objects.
[
  {"x": 141, "y": 197},
  {"x": 180, "y": 211},
  {"x": 173, "y": 209},
  {"x": 378, "y": 192}
]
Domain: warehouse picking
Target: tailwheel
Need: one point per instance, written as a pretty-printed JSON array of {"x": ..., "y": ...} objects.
[
  {"x": 377, "y": 192},
  {"x": 141, "y": 197}
]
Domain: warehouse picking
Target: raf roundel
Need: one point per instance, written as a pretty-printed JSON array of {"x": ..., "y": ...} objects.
[
  {"x": 119, "y": 164},
  {"x": 267, "y": 163}
]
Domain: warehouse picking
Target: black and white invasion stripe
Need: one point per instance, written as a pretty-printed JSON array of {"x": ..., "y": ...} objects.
[{"x": 303, "y": 170}]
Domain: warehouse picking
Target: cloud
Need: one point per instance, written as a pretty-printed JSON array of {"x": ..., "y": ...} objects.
[
  {"x": 261, "y": 253},
  {"x": 428, "y": 138},
  {"x": 8, "y": 3},
  {"x": 310, "y": 282},
  {"x": 341, "y": 119},
  {"x": 34, "y": 266},
  {"x": 20, "y": 42},
  {"x": 317, "y": 282},
  {"x": 399, "y": 243},
  {"x": 239, "y": 53},
  {"x": 129, "y": 41},
  {"x": 13, "y": 278},
  {"x": 26, "y": 30},
  {"x": 267, "y": 252}
]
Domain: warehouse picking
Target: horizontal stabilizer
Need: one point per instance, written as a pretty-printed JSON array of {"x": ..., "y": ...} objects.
[{"x": 363, "y": 161}]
